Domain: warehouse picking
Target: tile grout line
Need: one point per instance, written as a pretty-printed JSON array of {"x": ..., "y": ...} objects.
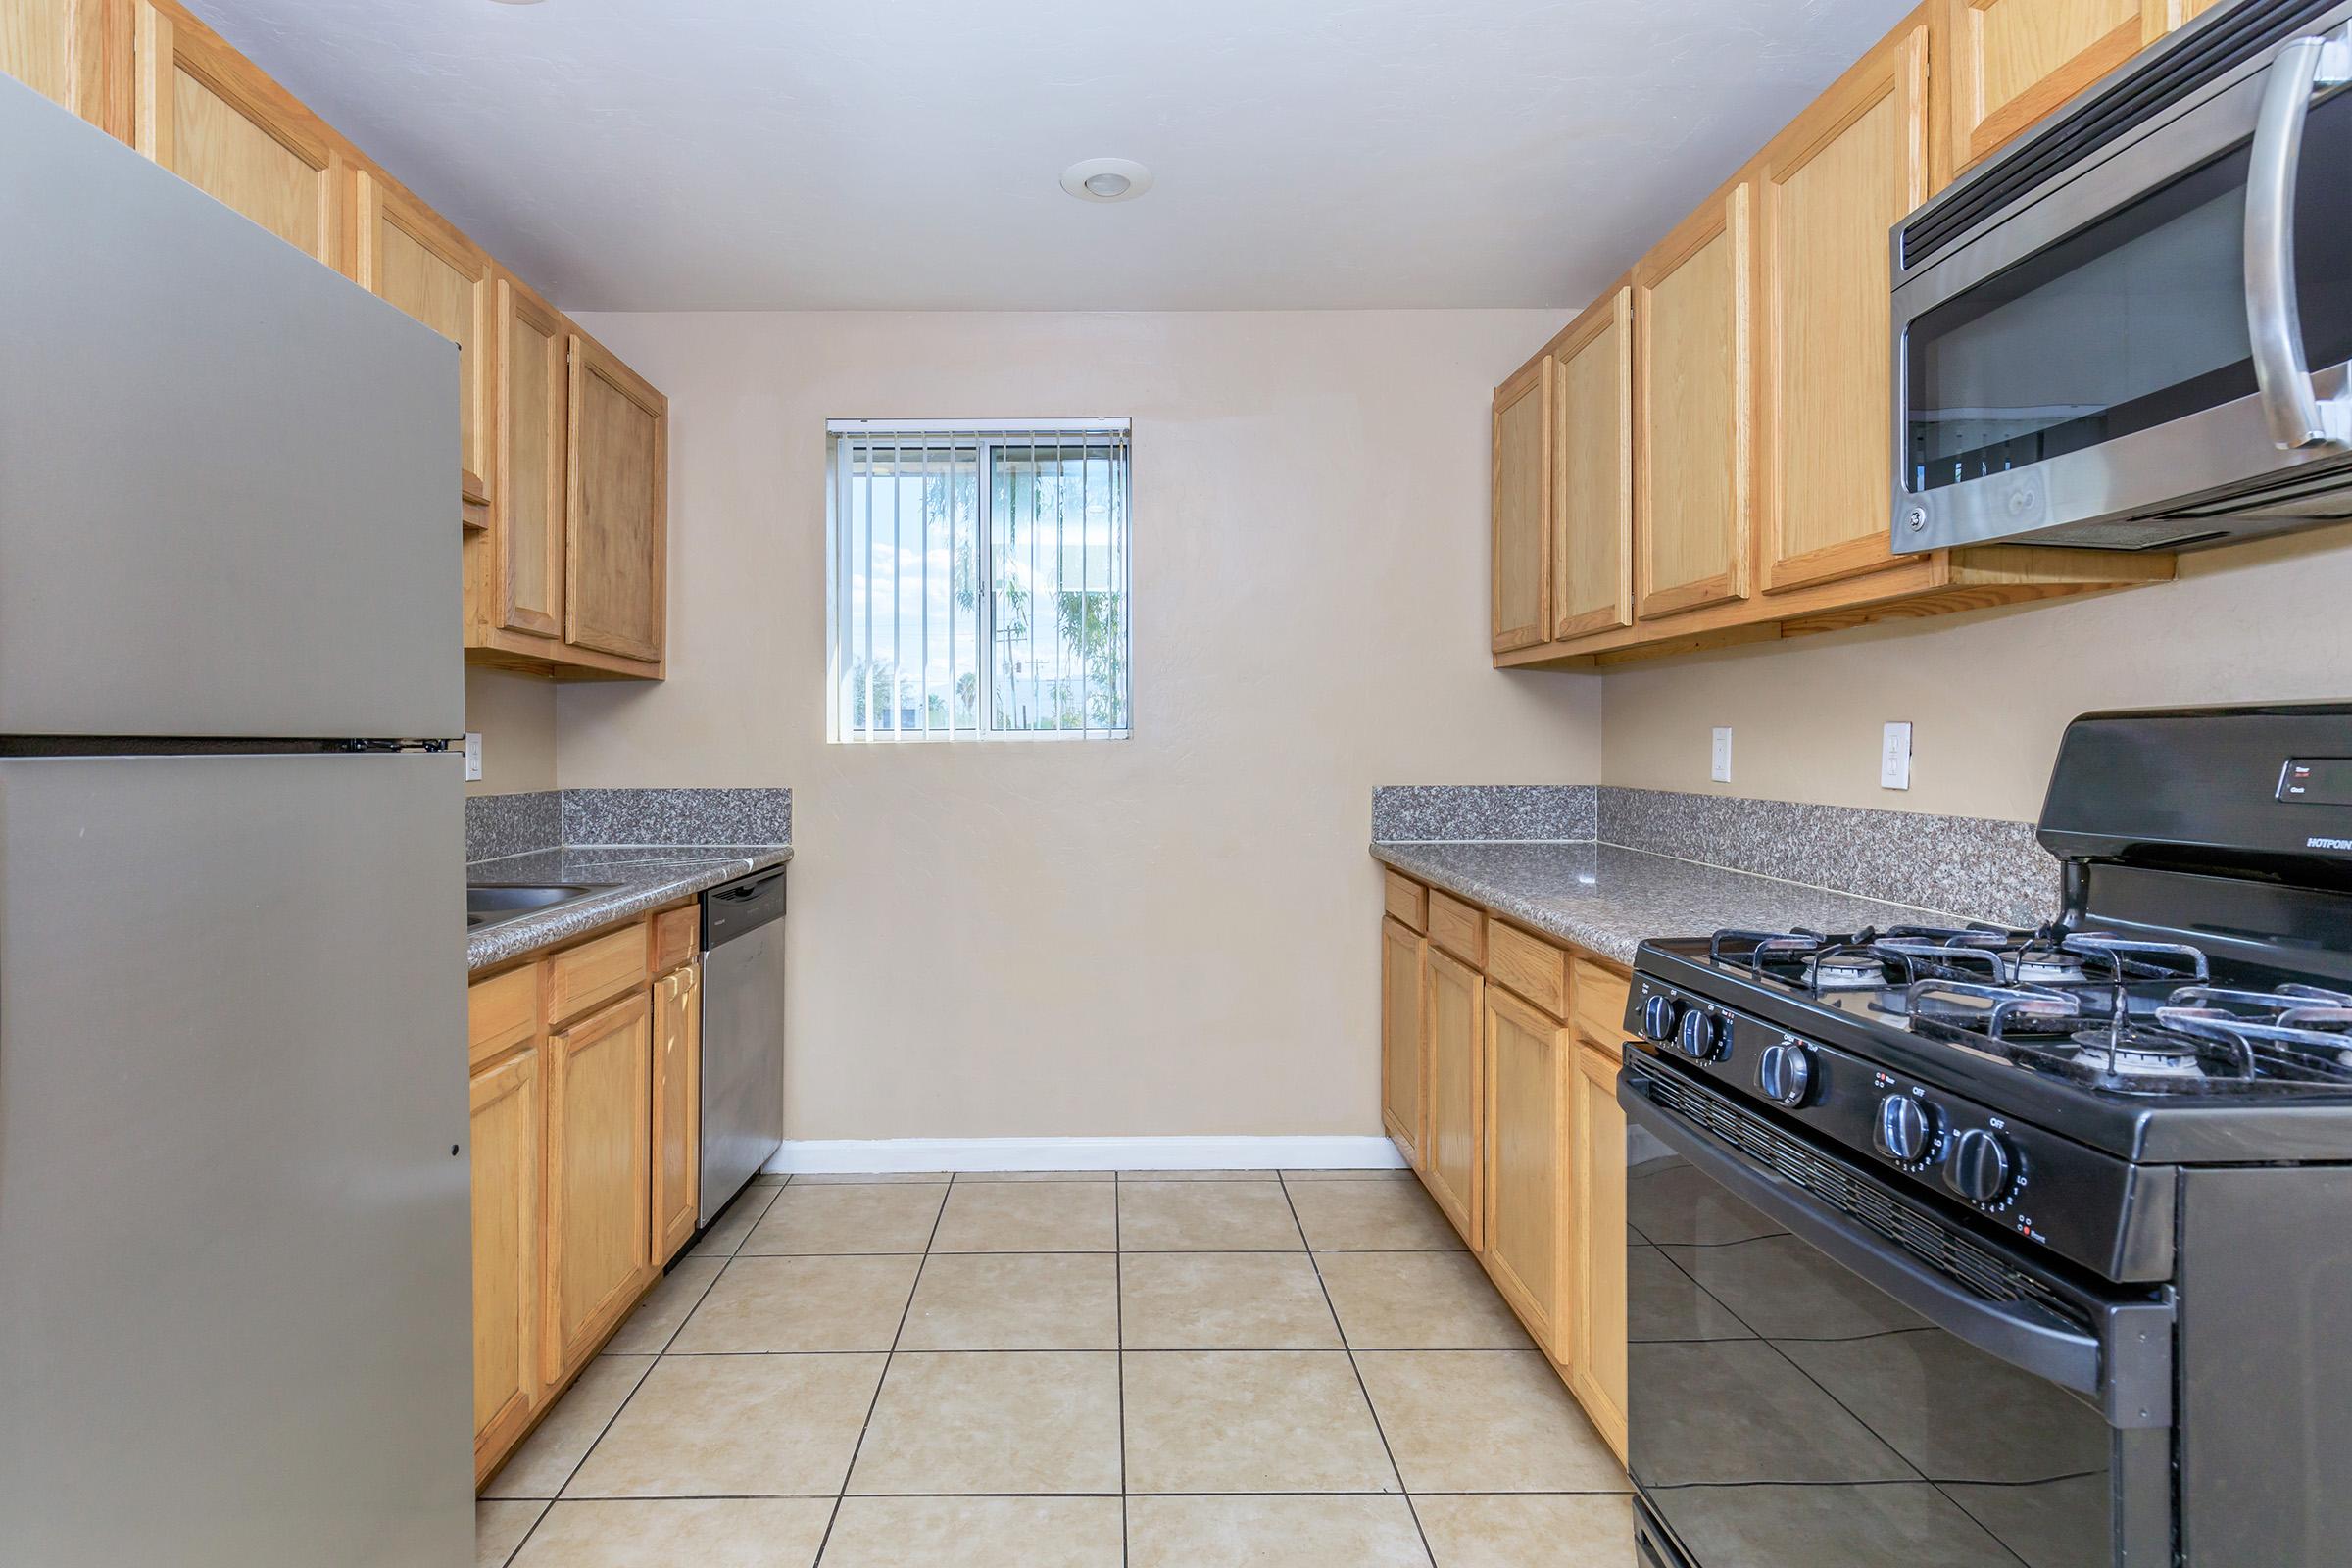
[
  {"x": 1361, "y": 1388},
  {"x": 652, "y": 1361},
  {"x": 1119, "y": 1317},
  {"x": 882, "y": 1381}
]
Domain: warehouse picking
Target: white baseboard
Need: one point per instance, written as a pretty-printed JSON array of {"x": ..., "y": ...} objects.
[{"x": 879, "y": 1155}]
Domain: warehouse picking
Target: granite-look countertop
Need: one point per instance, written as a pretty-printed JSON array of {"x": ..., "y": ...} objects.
[
  {"x": 643, "y": 879},
  {"x": 1610, "y": 899}
]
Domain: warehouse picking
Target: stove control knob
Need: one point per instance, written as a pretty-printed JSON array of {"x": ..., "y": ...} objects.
[
  {"x": 1983, "y": 1167},
  {"x": 1906, "y": 1129},
  {"x": 1699, "y": 1035},
  {"x": 1784, "y": 1073},
  {"x": 1660, "y": 1014}
]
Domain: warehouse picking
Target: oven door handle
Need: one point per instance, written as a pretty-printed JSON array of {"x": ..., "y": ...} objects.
[
  {"x": 2298, "y": 418},
  {"x": 2026, "y": 1339}
]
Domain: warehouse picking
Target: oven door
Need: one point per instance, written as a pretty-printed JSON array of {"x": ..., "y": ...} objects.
[
  {"x": 2081, "y": 369},
  {"x": 1805, "y": 1392}
]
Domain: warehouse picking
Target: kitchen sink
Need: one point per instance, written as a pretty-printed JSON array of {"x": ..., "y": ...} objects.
[{"x": 493, "y": 902}]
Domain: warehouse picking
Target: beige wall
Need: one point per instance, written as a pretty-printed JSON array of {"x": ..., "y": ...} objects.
[
  {"x": 515, "y": 716},
  {"x": 1167, "y": 935},
  {"x": 1988, "y": 694}
]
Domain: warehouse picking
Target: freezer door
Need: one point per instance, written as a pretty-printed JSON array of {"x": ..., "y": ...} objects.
[
  {"x": 234, "y": 1243},
  {"x": 227, "y": 475}
]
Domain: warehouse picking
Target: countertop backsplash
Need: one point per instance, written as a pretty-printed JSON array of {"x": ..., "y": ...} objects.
[
  {"x": 498, "y": 825},
  {"x": 1974, "y": 867}
]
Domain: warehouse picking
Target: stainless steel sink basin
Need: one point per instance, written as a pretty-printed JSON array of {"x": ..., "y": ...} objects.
[{"x": 490, "y": 903}]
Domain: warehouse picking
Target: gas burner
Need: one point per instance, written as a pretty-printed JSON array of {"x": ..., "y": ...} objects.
[
  {"x": 1855, "y": 970},
  {"x": 1974, "y": 1012}
]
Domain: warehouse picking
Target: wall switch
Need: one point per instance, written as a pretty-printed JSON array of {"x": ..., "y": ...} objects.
[
  {"x": 1895, "y": 758},
  {"x": 473, "y": 756},
  {"x": 1720, "y": 771}
]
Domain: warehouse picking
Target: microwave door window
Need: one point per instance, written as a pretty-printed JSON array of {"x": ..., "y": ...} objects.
[{"x": 2132, "y": 321}]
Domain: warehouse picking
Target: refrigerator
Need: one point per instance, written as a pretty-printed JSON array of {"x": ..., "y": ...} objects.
[{"x": 234, "y": 1241}]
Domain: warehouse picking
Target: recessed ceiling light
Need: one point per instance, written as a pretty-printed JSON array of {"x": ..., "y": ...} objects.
[
  {"x": 1106, "y": 180},
  {"x": 517, "y": 2}
]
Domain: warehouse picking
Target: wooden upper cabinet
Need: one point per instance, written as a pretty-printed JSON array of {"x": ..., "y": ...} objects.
[
  {"x": 76, "y": 53},
  {"x": 2011, "y": 62},
  {"x": 1593, "y": 469},
  {"x": 525, "y": 583},
  {"x": 1829, "y": 188},
  {"x": 616, "y": 544},
  {"x": 1692, "y": 436},
  {"x": 206, "y": 114},
  {"x": 1522, "y": 506},
  {"x": 405, "y": 253}
]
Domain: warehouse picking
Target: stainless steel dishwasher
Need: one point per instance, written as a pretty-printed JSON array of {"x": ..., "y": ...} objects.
[{"x": 743, "y": 1033}]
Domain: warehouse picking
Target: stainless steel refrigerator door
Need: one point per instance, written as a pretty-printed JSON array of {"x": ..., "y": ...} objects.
[
  {"x": 742, "y": 1063},
  {"x": 234, "y": 1226},
  {"x": 227, "y": 475}
]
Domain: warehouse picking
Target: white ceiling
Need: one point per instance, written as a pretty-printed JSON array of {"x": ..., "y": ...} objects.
[{"x": 649, "y": 154}]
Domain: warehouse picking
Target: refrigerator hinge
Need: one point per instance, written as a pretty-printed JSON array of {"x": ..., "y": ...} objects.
[{"x": 387, "y": 746}]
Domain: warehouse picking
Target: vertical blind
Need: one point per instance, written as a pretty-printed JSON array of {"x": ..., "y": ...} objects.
[{"x": 978, "y": 582}]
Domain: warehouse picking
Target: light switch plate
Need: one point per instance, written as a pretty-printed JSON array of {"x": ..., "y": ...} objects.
[
  {"x": 473, "y": 756},
  {"x": 1720, "y": 771},
  {"x": 1895, "y": 758}
]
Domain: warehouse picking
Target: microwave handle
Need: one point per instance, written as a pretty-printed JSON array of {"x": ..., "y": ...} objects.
[{"x": 2298, "y": 418}]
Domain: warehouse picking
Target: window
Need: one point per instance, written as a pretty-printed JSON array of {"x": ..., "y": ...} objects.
[{"x": 978, "y": 582}]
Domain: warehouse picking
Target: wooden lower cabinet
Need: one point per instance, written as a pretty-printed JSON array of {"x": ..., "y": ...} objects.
[
  {"x": 508, "y": 1134},
  {"x": 599, "y": 1175},
  {"x": 587, "y": 1117},
  {"x": 1523, "y": 1142},
  {"x": 1456, "y": 1068},
  {"x": 1596, "y": 1327},
  {"x": 1404, "y": 1039},
  {"x": 1528, "y": 1226},
  {"x": 677, "y": 1109}
]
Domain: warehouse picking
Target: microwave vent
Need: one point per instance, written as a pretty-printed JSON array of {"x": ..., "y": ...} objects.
[{"x": 2197, "y": 56}]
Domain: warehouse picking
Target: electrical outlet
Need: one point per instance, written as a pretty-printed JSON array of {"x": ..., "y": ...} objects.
[
  {"x": 473, "y": 756},
  {"x": 1895, "y": 758},
  {"x": 1720, "y": 771}
]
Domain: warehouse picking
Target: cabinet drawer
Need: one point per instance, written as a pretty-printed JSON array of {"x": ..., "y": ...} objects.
[
  {"x": 1530, "y": 966},
  {"x": 1458, "y": 927},
  {"x": 579, "y": 978},
  {"x": 501, "y": 1013},
  {"x": 1406, "y": 901},
  {"x": 1599, "y": 996},
  {"x": 677, "y": 937}
]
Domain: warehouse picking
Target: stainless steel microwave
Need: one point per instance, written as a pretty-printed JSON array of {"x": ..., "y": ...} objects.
[{"x": 2132, "y": 329}]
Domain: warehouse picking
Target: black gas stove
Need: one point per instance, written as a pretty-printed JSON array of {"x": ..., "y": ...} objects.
[{"x": 2101, "y": 1168}]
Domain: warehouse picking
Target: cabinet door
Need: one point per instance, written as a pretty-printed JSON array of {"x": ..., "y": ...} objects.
[
  {"x": 509, "y": 1122},
  {"x": 677, "y": 1108},
  {"x": 1404, "y": 1042},
  {"x": 615, "y": 539},
  {"x": 1527, "y": 1142},
  {"x": 76, "y": 53},
  {"x": 1456, "y": 1023},
  {"x": 1829, "y": 188},
  {"x": 406, "y": 254},
  {"x": 1593, "y": 470},
  {"x": 600, "y": 1124},
  {"x": 1693, "y": 445},
  {"x": 203, "y": 112},
  {"x": 1522, "y": 507},
  {"x": 526, "y": 505},
  {"x": 2013, "y": 61},
  {"x": 1597, "y": 1354}
]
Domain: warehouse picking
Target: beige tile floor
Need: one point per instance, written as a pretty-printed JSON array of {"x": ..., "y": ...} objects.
[{"x": 1206, "y": 1370}]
